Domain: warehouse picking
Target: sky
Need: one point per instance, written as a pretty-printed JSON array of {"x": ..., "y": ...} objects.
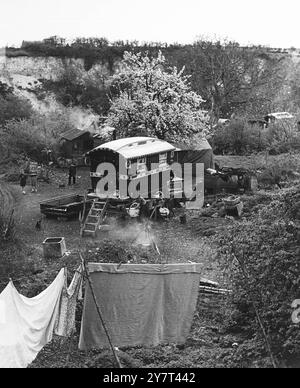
[{"x": 268, "y": 22}]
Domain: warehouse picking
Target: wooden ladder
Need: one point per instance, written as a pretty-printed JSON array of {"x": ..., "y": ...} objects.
[{"x": 95, "y": 217}]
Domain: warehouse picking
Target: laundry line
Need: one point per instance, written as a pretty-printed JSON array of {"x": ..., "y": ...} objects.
[
  {"x": 20, "y": 346},
  {"x": 157, "y": 331},
  {"x": 28, "y": 324}
]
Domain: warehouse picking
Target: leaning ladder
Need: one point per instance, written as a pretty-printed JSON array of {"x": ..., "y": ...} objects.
[{"x": 94, "y": 218}]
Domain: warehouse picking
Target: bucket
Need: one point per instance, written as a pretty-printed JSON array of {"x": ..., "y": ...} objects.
[
  {"x": 164, "y": 211},
  {"x": 134, "y": 210},
  {"x": 54, "y": 247}
]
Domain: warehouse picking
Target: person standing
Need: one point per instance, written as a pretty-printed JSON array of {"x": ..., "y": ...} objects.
[
  {"x": 33, "y": 166},
  {"x": 23, "y": 179},
  {"x": 72, "y": 173}
]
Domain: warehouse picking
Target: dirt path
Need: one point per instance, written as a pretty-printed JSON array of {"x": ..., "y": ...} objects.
[{"x": 176, "y": 242}]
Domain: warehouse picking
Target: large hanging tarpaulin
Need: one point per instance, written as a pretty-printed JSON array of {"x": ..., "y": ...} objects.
[{"x": 142, "y": 304}]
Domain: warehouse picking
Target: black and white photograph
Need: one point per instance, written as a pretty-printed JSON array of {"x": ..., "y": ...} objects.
[{"x": 149, "y": 187}]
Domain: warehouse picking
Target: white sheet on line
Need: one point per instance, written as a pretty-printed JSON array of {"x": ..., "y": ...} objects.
[{"x": 27, "y": 324}]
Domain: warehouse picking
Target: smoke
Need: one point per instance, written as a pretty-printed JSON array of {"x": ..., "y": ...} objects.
[{"x": 135, "y": 231}]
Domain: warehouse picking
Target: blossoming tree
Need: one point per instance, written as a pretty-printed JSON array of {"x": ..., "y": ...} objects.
[{"x": 154, "y": 99}]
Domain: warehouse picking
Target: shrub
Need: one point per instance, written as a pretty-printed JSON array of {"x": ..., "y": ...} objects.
[
  {"x": 5, "y": 90},
  {"x": 283, "y": 167},
  {"x": 261, "y": 259},
  {"x": 14, "y": 108},
  {"x": 29, "y": 137},
  {"x": 240, "y": 138},
  {"x": 71, "y": 90},
  {"x": 282, "y": 138},
  {"x": 7, "y": 224}
]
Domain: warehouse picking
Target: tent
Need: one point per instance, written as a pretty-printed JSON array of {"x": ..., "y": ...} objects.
[{"x": 201, "y": 152}]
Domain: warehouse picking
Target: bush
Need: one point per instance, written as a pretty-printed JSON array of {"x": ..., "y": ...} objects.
[
  {"x": 14, "y": 108},
  {"x": 7, "y": 224},
  {"x": 239, "y": 138},
  {"x": 281, "y": 168},
  {"x": 29, "y": 137},
  {"x": 5, "y": 90},
  {"x": 73, "y": 89},
  {"x": 282, "y": 138},
  {"x": 261, "y": 259},
  {"x": 22, "y": 137}
]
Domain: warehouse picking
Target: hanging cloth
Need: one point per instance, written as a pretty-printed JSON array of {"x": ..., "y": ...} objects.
[
  {"x": 27, "y": 324},
  {"x": 65, "y": 325},
  {"x": 141, "y": 304}
]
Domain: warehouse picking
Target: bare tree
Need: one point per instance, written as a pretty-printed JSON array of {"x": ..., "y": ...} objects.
[{"x": 229, "y": 77}]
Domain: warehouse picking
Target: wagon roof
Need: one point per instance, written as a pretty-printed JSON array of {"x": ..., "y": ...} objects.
[{"x": 134, "y": 147}]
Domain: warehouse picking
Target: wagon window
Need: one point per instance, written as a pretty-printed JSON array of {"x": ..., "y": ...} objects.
[
  {"x": 162, "y": 159},
  {"x": 141, "y": 164}
]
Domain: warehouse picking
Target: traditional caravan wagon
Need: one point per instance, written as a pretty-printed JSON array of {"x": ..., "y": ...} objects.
[
  {"x": 136, "y": 160},
  {"x": 143, "y": 164}
]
